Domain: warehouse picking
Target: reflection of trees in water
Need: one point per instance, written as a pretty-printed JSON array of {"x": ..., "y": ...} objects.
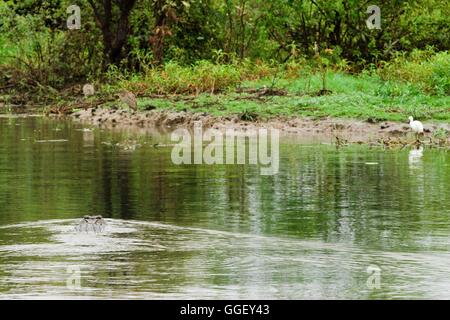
[
  {"x": 104, "y": 191},
  {"x": 125, "y": 198},
  {"x": 44, "y": 180},
  {"x": 335, "y": 194},
  {"x": 319, "y": 191},
  {"x": 114, "y": 189}
]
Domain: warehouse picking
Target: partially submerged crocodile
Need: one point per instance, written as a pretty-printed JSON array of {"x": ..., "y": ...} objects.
[{"x": 91, "y": 223}]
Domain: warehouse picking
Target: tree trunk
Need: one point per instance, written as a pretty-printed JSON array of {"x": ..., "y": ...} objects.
[
  {"x": 115, "y": 35},
  {"x": 163, "y": 15}
]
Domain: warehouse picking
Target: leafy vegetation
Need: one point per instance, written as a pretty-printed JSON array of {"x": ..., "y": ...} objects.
[
  {"x": 297, "y": 57},
  {"x": 365, "y": 97}
]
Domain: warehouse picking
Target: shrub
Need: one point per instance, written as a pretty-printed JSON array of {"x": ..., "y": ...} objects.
[{"x": 425, "y": 68}]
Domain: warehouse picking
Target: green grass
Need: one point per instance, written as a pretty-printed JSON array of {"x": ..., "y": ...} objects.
[
  {"x": 416, "y": 85},
  {"x": 361, "y": 97}
]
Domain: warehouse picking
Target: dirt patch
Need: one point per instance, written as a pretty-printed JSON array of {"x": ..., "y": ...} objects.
[{"x": 322, "y": 129}]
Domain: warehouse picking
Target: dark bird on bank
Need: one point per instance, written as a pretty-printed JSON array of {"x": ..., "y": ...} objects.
[{"x": 129, "y": 99}]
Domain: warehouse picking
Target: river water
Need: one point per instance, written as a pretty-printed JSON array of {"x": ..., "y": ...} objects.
[{"x": 353, "y": 223}]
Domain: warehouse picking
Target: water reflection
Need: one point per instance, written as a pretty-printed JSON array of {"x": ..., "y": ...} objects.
[
  {"x": 415, "y": 156},
  {"x": 217, "y": 231}
]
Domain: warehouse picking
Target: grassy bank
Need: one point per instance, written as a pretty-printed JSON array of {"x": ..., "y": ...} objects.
[
  {"x": 416, "y": 85},
  {"x": 229, "y": 59},
  {"x": 361, "y": 97}
]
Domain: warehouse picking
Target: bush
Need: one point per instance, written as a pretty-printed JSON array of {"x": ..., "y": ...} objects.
[
  {"x": 203, "y": 76},
  {"x": 425, "y": 68},
  {"x": 43, "y": 56}
]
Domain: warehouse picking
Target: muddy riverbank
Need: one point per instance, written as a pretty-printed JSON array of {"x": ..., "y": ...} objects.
[{"x": 349, "y": 129}]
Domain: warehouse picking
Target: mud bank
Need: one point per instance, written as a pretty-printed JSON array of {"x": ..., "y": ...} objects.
[{"x": 349, "y": 129}]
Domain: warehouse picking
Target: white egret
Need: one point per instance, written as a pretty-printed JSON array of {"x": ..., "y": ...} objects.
[{"x": 416, "y": 126}]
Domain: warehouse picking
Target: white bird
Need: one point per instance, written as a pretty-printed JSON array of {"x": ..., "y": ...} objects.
[
  {"x": 88, "y": 90},
  {"x": 416, "y": 126}
]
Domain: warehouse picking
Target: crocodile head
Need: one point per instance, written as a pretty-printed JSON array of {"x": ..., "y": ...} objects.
[{"x": 91, "y": 223}]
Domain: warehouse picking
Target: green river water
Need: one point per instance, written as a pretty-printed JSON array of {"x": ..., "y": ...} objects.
[{"x": 317, "y": 229}]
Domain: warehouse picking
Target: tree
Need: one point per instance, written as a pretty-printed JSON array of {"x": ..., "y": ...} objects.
[
  {"x": 164, "y": 15},
  {"x": 112, "y": 17}
]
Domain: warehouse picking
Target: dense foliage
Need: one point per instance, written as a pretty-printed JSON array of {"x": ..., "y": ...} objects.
[{"x": 135, "y": 36}]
